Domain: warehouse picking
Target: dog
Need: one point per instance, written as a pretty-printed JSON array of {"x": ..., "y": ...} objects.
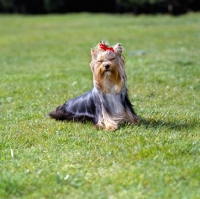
[{"x": 107, "y": 105}]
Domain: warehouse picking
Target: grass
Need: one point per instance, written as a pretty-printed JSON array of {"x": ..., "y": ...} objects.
[{"x": 45, "y": 61}]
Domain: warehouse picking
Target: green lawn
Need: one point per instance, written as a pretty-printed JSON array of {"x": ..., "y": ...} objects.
[{"x": 44, "y": 60}]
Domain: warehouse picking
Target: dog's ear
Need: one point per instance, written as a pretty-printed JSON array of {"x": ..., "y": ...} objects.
[
  {"x": 93, "y": 54},
  {"x": 118, "y": 49}
]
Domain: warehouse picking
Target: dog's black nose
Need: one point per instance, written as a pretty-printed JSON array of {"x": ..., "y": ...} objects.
[{"x": 107, "y": 67}]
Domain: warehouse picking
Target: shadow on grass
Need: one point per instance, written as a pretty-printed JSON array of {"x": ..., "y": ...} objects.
[{"x": 150, "y": 123}]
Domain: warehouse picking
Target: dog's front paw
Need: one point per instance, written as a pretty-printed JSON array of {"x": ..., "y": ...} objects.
[
  {"x": 106, "y": 127},
  {"x": 111, "y": 127}
]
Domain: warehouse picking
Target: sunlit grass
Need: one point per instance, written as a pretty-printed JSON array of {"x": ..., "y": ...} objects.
[{"x": 45, "y": 61}]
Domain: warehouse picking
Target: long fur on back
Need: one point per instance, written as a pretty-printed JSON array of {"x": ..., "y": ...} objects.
[{"x": 102, "y": 109}]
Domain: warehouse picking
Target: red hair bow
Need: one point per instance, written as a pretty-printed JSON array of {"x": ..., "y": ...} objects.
[{"x": 104, "y": 47}]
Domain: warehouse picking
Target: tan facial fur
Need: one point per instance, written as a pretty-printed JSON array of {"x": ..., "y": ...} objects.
[{"x": 108, "y": 69}]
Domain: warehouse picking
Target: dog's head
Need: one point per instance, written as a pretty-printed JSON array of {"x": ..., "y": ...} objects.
[{"x": 107, "y": 66}]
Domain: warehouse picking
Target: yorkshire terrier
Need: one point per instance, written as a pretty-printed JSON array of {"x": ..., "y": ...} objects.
[{"x": 107, "y": 105}]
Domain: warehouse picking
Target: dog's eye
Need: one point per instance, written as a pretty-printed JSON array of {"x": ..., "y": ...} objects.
[
  {"x": 112, "y": 59},
  {"x": 100, "y": 61}
]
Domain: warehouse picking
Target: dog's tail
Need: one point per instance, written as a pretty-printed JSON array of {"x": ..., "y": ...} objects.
[{"x": 58, "y": 114}]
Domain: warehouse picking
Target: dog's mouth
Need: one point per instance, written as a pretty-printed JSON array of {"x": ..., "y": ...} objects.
[
  {"x": 107, "y": 68},
  {"x": 107, "y": 72}
]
